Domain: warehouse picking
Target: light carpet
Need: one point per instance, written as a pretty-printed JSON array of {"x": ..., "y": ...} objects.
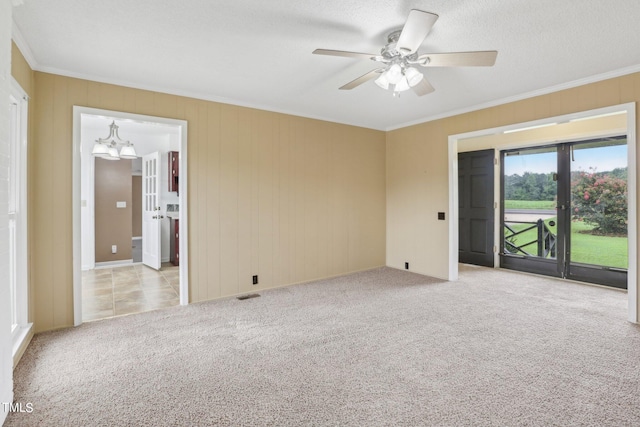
[{"x": 378, "y": 348}]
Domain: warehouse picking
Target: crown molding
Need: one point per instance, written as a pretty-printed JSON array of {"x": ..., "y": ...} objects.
[
  {"x": 20, "y": 41},
  {"x": 545, "y": 91},
  {"x": 188, "y": 94}
]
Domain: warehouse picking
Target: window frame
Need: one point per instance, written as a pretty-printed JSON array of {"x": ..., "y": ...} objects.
[{"x": 17, "y": 193}]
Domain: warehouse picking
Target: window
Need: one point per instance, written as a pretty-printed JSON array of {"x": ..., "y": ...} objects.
[{"x": 17, "y": 206}]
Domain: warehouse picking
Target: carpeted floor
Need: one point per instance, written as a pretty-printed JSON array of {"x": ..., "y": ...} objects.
[{"x": 378, "y": 348}]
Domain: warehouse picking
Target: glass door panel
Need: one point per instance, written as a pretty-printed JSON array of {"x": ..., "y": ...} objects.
[
  {"x": 530, "y": 222},
  {"x": 598, "y": 223}
]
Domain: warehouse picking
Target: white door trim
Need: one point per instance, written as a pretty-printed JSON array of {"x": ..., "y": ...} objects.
[
  {"x": 630, "y": 109},
  {"x": 76, "y": 200}
]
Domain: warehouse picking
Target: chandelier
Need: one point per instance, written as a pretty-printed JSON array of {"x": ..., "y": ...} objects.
[{"x": 113, "y": 147}]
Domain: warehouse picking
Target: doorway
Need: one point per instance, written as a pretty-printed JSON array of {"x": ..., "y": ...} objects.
[
  {"x": 147, "y": 134},
  {"x": 545, "y": 131},
  {"x": 564, "y": 210}
]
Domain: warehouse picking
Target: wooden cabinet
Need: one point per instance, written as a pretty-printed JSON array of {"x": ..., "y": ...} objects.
[
  {"x": 174, "y": 170},
  {"x": 174, "y": 242}
]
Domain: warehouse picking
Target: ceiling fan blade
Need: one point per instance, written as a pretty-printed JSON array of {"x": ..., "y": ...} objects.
[
  {"x": 362, "y": 79},
  {"x": 423, "y": 88},
  {"x": 458, "y": 59},
  {"x": 416, "y": 28},
  {"x": 346, "y": 54}
]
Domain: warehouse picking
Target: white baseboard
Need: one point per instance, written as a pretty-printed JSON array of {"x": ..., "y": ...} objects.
[
  {"x": 110, "y": 264},
  {"x": 136, "y": 238},
  {"x": 21, "y": 343}
]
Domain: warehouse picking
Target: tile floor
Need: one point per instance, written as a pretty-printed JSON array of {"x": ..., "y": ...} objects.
[{"x": 116, "y": 291}]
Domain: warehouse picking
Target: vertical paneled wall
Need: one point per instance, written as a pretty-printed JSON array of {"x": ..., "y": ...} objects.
[
  {"x": 302, "y": 199},
  {"x": 417, "y": 166},
  {"x": 287, "y": 198}
]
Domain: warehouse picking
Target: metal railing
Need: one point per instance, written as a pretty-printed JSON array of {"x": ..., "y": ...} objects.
[{"x": 546, "y": 240}]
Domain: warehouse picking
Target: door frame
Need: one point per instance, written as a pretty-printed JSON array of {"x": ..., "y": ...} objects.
[
  {"x": 76, "y": 200},
  {"x": 630, "y": 110}
]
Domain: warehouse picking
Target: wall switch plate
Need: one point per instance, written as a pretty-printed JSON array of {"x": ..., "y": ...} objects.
[
  {"x": 406, "y": 265},
  {"x": 114, "y": 249},
  {"x": 441, "y": 216},
  {"x": 121, "y": 204}
]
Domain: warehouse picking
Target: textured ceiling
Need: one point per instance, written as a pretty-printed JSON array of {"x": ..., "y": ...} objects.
[{"x": 258, "y": 53}]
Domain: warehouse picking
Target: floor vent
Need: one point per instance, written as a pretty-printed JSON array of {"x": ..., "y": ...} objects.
[{"x": 243, "y": 297}]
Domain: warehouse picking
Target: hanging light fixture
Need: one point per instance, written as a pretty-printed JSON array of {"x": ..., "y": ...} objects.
[
  {"x": 399, "y": 77},
  {"x": 108, "y": 148}
]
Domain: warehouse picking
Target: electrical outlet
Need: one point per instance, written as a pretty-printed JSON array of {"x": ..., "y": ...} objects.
[
  {"x": 114, "y": 249},
  {"x": 441, "y": 216},
  {"x": 255, "y": 280},
  {"x": 406, "y": 265}
]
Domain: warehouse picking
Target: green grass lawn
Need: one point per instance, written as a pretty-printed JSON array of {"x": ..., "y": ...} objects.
[
  {"x": 529, "y": 204},
  {"x": 585, "y": 248}
]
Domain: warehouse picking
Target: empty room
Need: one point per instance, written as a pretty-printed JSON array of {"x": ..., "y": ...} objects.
[{"x": 347, "y": 213}]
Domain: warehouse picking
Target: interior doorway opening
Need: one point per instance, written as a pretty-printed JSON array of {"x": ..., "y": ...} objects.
[{"x": 112, "y": 274}]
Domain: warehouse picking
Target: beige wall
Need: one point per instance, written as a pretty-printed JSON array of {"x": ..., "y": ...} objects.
[
  {"x": 570, "y": 131},
  {"x": 287, "y": 198},
  {"x": 136, "y": 206},
  {"x": 417, "y": 162},
  {"x": 21, "y": 71},
  {"x": 113, "y": 225}
]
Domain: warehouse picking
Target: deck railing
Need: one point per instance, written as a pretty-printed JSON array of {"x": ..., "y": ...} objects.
[{"x": 546, "y": 240}]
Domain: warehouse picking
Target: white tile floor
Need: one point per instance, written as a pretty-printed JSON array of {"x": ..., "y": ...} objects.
[{"x": 131, "y": 289}]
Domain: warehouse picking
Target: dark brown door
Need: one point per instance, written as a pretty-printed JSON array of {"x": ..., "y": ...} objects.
[{"x": 476, "y": 207}]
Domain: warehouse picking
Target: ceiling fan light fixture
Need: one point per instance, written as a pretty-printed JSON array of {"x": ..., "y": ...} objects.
[
  {"x": 394, "y": 74},
  {"x": 402, "y": 85},
  {"x": 382, "y": 81},
  {"x": 413, "y": 76},
  {"x": 400, "y": 58}
]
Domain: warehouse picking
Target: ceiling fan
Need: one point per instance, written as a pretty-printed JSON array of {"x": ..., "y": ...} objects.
[{"x": 399, "y": 58}]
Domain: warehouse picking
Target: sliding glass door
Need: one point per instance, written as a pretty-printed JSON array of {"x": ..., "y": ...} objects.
[{"x": 564, "y": 210}]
